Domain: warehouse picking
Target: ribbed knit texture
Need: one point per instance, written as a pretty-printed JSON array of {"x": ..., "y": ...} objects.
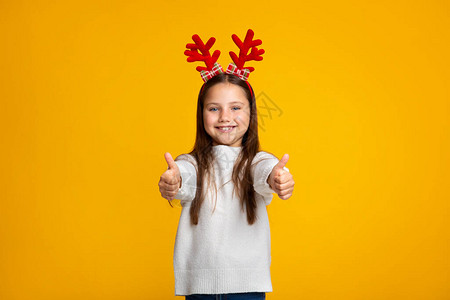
[{"x": 223, "y": 253}]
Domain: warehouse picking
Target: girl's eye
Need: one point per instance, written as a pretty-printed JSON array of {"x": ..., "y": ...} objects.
[{"x": 215, "y": 108}]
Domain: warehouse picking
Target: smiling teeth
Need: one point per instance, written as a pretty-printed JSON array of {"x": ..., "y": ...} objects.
[{"x": 226, "y": 128}]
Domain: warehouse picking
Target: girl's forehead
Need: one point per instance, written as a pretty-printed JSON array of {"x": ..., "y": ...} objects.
[{"x": 223, "y": 93}]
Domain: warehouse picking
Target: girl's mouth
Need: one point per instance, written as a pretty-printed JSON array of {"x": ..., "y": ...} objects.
[{"x": 225, "y": 128}]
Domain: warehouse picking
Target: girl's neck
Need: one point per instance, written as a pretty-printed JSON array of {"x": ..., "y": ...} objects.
[{"x": 228, "y": 146}]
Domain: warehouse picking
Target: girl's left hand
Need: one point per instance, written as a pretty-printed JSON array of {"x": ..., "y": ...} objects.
[{"x": 280, "y": 180}]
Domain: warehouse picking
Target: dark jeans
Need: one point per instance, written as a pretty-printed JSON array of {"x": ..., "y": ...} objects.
[{"x": 238, "y": 296}]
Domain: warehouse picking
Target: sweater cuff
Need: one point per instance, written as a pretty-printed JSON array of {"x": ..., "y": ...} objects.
[
  {"x": 188, "y": 181},
  {"x": 262, "y": 173}
]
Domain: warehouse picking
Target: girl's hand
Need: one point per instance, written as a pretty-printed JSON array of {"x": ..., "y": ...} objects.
[
  {"x": 170, "y": 181},
  {"x": 280, "y": 180}
]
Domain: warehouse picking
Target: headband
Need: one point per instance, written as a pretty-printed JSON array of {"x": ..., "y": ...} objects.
[{"x": 200, "y": 52}]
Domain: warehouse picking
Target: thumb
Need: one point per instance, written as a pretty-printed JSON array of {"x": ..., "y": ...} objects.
[
  {"x": 170, "y": 162},
  {"x": 282, "y": 162}
]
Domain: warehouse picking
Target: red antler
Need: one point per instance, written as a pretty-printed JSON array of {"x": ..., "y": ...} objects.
[
  {"x": 248, "y": 43},
  {"x": 194, "y": 55}
]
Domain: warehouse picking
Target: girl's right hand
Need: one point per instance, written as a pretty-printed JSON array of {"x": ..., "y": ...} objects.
[{"x": 170, "y": 181}]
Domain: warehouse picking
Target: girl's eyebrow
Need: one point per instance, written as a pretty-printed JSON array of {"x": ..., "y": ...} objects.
[{"x": 230, "y": 102}]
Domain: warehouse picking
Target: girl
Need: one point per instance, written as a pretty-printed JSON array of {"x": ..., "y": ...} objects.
[{"x": 222, "y": 246}]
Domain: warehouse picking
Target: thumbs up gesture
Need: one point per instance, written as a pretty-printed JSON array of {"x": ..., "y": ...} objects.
[
  {"x": 280, "y": 180},
  {"x": 170, "y": 181}
]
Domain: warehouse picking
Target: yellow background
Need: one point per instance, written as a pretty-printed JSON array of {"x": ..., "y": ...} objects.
[{"x": 94, "y": 92}]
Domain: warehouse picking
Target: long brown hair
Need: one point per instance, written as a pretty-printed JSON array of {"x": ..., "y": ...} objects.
[{"x": 202, "y": 152}]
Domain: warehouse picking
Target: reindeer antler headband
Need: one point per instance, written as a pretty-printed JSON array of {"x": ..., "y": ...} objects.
[{"x": 200, "y": 52}]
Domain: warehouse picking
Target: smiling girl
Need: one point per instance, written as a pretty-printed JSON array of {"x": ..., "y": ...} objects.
[{"x": 222, "y": 246}]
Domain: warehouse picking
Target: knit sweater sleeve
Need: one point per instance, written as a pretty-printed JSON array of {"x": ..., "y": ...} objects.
[
  {"x": 187, "y": 166},
  {"x": 262, "y": 166}
]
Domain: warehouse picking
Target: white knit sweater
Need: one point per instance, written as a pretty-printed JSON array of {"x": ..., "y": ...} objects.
[{"x": 223, "y": 253}]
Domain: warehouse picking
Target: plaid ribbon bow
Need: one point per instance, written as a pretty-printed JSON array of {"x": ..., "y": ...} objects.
[
  {"x": 206, "y": 75},
  {"x": 241, "y": 73},
  {"x": 232, "y": 69}
]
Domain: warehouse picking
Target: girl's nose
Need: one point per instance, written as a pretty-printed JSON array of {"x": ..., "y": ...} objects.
[{"x": 225, "y": 116}]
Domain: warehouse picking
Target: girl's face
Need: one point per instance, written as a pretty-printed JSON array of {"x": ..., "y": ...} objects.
[{"x": 226, "y": 114}]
